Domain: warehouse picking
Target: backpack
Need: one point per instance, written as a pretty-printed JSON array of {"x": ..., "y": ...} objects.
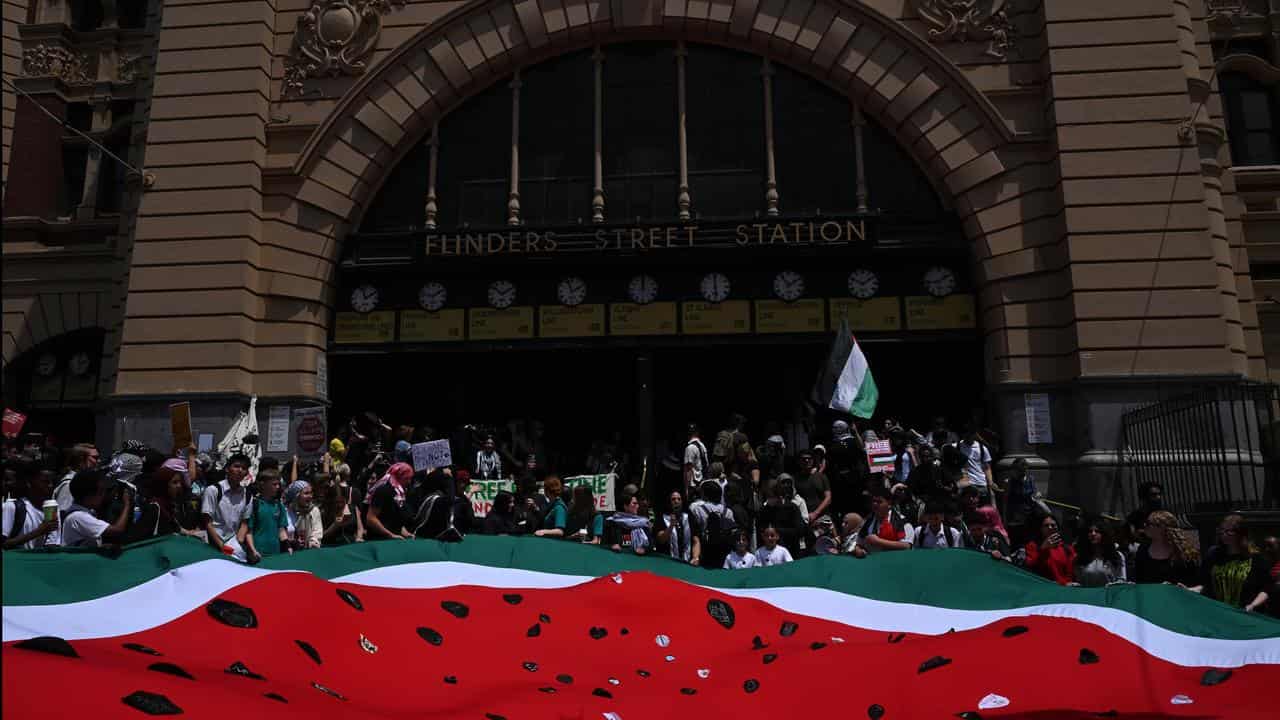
[
  {"x": 19, "y": 516},
  {"x": 431, "y": 506},
  {"x": 716, "y": 534},
  {"x": 724, "y": 446}
]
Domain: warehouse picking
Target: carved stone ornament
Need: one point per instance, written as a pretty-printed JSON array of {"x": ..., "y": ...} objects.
[
  {"x": 334, "y": 37},
  {"x": 1226, "y": 13},
  {"x": 129, "y": 68},
  {"x": 46, "y": 60},
  {"x": 964, "y": 20}
]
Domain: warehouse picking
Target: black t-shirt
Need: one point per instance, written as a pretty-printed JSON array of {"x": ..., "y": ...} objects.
[
  {"x": 390, "y": 513},
  {"x": 811, "y": 488},
  {"x": 1233, "y": 579},
  {"x": 1147, "y": 569}
]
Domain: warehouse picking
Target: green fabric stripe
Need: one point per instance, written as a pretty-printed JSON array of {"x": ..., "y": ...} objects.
[{"x": 953, "y": 579}]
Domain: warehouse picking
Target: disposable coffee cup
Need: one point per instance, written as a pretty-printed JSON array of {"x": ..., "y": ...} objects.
[{"x": 50, "y": 508}]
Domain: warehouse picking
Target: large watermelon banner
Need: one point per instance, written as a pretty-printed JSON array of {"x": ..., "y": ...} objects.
[{"x": 529, "y": 628}]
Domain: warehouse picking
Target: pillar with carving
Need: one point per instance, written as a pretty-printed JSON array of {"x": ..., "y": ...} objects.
[
  {"x": 771, "y": 175},
  {"x": 513, "y": 199},
  {"x": 683, "y": 200},
  {"x": 597, "y": 187}
]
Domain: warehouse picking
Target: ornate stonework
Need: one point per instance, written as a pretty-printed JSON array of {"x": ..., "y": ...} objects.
[
  {"x": 129, "y": 68},
  {"x": 46, "y": 60},
  {"x": 334, "y": 37},
  {"x": 964, "y": 20},
  {"x": 1225, "y": 13}
]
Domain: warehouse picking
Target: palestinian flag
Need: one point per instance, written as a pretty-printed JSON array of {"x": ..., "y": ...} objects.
[
  {"x": 846, "y": 383},
  {"x": 531, "y": 628}
]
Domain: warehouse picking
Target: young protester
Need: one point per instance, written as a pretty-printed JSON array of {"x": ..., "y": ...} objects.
[
  {"x": 304, "y": 516},
  {"x": 82, "y": 456},
  {"x": 1099, "y": 561},
  {"x": 502, "y": 518},
  {"x": 584, "y": 524},
  {"x": 741, "y": 557},
  {"x": 557, "y": 515},
  {"x": 1169, "y": 556},
  {"x": 488, "y": 461},
  {"x": 434, "y": 510},
  {"x": 886, "y": 529},
  {"x": 825, "y": 541},
  {"x": 1048, "y": 556},
  {"x": 977, "y": 457},
  {"x": 1234, "y": 572},
  {"x": 162, "y": 513},
  {"x": 935, "y": 531},
  {"x": 387, "y": 513},
  {"x": 771, "y": 553},
  {"x": 675, "y": 531},
  {"x": 80, "y": 526},
  {"x": 24, "y": 524},
  {"x": 264, "y": 528},
  {"x": 984, "y": 538},
  {"x": 223, "y": 504},
  {"x": 628, "y": 529},
  {"x": 849, "y": 526},
  {"x": 787, "y": 519},
  {"x": 339, "y": 510},
  {"x": 696, "y": 460},
  {"x": 713, "y": 523}
]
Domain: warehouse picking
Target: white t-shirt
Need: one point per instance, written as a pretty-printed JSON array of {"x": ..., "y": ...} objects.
[
  {"x": 777, "y": 556},
  {"x": 734, "y": 561},
  {"x": 62, "y": 493},
  {"x": 30, "y": 520},
  {"x": 977, "y": 459},
  {"x": 81, "y": 529},
  {"x": 695, "y": 453}
]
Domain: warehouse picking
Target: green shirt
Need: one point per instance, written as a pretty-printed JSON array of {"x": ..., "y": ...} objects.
[
  {"x": 265, "y": 518},
  {"x": 557, "y": 516}
]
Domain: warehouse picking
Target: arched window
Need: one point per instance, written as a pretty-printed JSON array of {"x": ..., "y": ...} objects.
[{"x": 1253, "y": 119}]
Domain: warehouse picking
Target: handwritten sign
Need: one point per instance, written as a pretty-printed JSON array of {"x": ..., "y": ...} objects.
[
  {"x": 515, "y": 323},
  {"x": 602, "y": 488},
  {"x": 433, "y": 454},
  {"x": 374, "y": 327},
  {"x": 954, "y": 312},
  {"x": 723, "y": 318},
  {"x": 880, "y": 456},
  {"x": 657, "y": 318},
  {"x": 423, "y": 326},
  {"x": 483, "y": 492},
  {"x": 801, "y": 316},
  {"x": 1039, "y": 421},
  {"x": 882, "y": 314},
  {"x": 180, "y": 422},
  {"x": 557, "y": 321}
]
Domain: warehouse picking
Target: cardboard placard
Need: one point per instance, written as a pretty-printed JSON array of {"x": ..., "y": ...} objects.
[
  {"x": 309, "y": 433},
  {"x": 278, "y": 429},
  {"x": 801, "y": 316},
  {"x": 431, "y": 455},
  {"x": 482, "y": 493},
  {"x": 558, "y": 321},
  {"x": 880, "y": 456},
  {"x": 723, "y": 318},
  {"x": 13, "y": 422},
  {"x": 1039, "y": 421},
  {"x": 374, "y": 327},
  {"x": 180, "y": 423},
  {"x": 602, "y": 488},
  {"x": 882, "y": 314},
  {"x": 204, "y": 442},
  {"x": 657, "y": 318},
  {"x": 442, "y": 326}
]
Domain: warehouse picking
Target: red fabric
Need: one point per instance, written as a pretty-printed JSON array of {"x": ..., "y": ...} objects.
[
  {"x": 1057, "y": 563},
  {"x": 887, "y": 531},
  {"x": 397, "y": 674}
]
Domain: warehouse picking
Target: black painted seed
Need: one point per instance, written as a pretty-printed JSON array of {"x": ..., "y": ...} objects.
[
  {"x": 751, "y": 685},
  {"x": 875, "y": 712},
  {"x": 721, "y": 612},
  {"x": 968, "y": 715},
  {"x": 758, "y": 644},
  {"x": 309, "y": 650},
  {"x": 933, "y": 663},
  {"x": 770, "y": 657},
  {"x": 564, "y": 679},
  {"x": 625, "y": 631},
  {"x": 896, "y": 638},
  {"x": 170, "y": 669},
  {"x": 326, "y": 690},
  {"x": 544, "y": 618},
  {"x": 688, "y": 691},
  {"x": 788, "y": 629},
  {"x": 275, "y": 696},
  {"x": 534, "y": 631},
  {"x": 530, "y": 666},
  {"x": 49, "y": 644},
  {"x": 1088, "y": 657},
  {"x": 817, "y": 645},
  {"x": 456, "y": 609},
  {"x": 547, "y": 690},
  {"x": 1015, "y": 630},
  {"x": 151, "y": 703},
  {"x": 239, "y": 668},
  {"x": 142, "y": 649},
  {"x": 494, "y": 716},
  {"x": 601, "y": 692},
  {"x": 643, "y": 673},
  {"x": 430, "y": 636},
  {"x": 451, "y": 679},
  {"x": 513, "y": 598},
  {"x": 350, "y": 599},
  {"x": 1214, "y": 676},
  {"x": 597, "y": 633},
  {"x": 233, "y": 614}
]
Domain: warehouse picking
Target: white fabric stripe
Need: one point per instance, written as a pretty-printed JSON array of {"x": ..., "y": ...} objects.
[
  {"x": 182, "y": 590},
  {"x": 850, "y": 381}
]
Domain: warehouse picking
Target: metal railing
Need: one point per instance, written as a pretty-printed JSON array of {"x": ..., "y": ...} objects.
[{"x": 1213, "y": 449}]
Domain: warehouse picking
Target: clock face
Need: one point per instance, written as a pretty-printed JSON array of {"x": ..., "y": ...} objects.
[
  {"x": 46, "y": 365},
  {"x": 80, "y": 363},
  {"x": 788, "y": 285},
  {"x": 364, "y": 298},
  {"x": 715, "y": 287},
  {"x": 863, "y": 283},
  {"x": 939, "y": 281},
  {"x": 432, "y": 296},
  {"x": 571, "y": 291},
  {"x": 642, "y": 289},
  {"x": 502, "y": 294}
]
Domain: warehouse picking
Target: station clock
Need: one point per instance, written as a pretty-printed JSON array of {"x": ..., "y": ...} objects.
[
  {"x": 364, "y": 298},
  {"x": 571, "y": 291},
  {"x": 80, "y": 363},
  {"x": 715, "y": 287},
  {"x": 788, "y": 285},
  {"x": 502, "y": 294},
  {"x": 939, "y": 281},
  {"x": 863, "y": 284},
  {"x": 432, "y": 296},
  {"x": 642, "y": 289},
  {"x": 46, "y": 365}
]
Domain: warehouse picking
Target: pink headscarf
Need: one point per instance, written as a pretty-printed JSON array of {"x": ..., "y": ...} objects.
[
  {"x": 398, "y": 475},
  {"x": 991, "y": 517}
]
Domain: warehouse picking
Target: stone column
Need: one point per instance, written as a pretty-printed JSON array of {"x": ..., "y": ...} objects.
[
  {"x": 432, "y": 162},
  {"x": 860, "y": 165},
  {"x": 597, "y": 188},
  {"x": 683, "y": 201},
  {"x": 771, "y": 175},
  {"x": 88, "y": 207},
  {"x": 513, "y": 201}
]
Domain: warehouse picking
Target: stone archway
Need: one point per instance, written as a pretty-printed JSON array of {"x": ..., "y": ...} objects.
[{"x": 949, "y": 128}]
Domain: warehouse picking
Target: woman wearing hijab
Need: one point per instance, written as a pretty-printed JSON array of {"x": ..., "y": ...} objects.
[
  {"x": 386, "y": 517},
  {"x": 304, "y": 516},
  {"x": 502, "y": 519}
]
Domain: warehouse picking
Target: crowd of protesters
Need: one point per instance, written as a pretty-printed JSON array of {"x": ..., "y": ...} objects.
[{"x": 720, "y": 503}]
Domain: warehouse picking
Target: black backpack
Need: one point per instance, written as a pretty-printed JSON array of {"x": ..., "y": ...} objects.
[
  {"x": 716, "y": 534},
  {"x": 434, "y": 519}
]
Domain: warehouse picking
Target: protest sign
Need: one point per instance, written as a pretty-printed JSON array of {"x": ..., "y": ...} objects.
[
  {"x": 309, "y": 433},
  {"x": 180, "y": 421},
  {"x": 880, "y": 456},
  {"x": 483, "y": 492},
  {"x": 13, "y": 422},
  {"x": 433, "y": 454},
  {"x": 602, "y": 488},
  {"x": 278, "y": 429}
]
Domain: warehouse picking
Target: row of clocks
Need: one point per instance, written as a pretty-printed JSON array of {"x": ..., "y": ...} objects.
[
  {"x": 715, "y": 287},
  {"x": 79, "y": 364}
]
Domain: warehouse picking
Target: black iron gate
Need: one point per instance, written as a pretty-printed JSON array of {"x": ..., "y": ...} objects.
[{"x": 1213, "y": 449}]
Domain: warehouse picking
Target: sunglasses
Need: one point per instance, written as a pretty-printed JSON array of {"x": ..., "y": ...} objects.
[{"x": 1050, "y": 527}]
